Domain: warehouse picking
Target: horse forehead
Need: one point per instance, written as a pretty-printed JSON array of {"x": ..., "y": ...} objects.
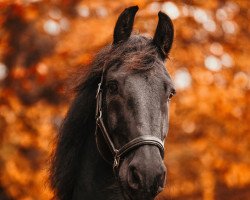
[
  {"x": 140, "y": 89},
  {"x": 144, "y": 80}
]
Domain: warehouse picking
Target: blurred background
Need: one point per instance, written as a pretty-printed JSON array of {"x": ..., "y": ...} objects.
[{"x": 43, "y": 42}]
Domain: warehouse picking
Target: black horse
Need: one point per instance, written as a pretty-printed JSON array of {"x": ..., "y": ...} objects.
[{"x": 110, "y": 144}]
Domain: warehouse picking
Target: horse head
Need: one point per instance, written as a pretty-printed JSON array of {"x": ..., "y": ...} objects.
[{"x": 135, "y": 92}]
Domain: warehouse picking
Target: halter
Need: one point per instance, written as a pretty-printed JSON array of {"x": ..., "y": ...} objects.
[{"x": 131, "y": 145}]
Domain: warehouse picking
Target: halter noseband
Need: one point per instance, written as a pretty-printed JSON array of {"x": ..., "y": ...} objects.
[{"x": 131, "y": 145}]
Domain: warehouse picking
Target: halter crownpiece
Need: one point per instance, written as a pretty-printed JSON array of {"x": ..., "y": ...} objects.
[{"x": 131, "y": 145}]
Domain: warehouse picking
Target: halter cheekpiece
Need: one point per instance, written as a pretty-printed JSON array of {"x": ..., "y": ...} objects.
[{"x": 131, "y": 145}]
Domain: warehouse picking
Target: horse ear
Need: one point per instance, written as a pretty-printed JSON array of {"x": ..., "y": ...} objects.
[
  {"x": 164, "y": 34},
  {"x": 124, "y": 24}
]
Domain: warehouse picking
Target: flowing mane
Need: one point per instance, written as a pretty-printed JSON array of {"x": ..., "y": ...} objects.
[{"x": 80, "y": 120}]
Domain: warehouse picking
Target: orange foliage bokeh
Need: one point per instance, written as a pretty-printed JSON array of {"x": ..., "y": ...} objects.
[{"x": 208, "y": 146}]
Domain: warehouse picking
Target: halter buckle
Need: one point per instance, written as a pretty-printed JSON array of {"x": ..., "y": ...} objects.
[
  {"x": 98, "y": 89},
  {"x": 116, "y": 160},
  {"x": 98, "y": 116}
]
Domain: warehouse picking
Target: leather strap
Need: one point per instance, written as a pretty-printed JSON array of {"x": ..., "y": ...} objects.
[
  {"x": 106, "y": 136},
  {"x": 139, "y": 141}
]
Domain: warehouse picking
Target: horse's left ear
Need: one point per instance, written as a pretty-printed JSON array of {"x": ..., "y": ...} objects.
[
  {"x": 164, "y": 34},
  {"x": 124, "y": 24}
]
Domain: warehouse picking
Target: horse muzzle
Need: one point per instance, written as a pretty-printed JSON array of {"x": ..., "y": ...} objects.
[{"x": 145, "y": 174}]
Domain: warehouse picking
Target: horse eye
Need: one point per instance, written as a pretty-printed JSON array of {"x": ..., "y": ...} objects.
[
  {"x": 113, "y": 88},
  {"x": 172, "y": 93}
]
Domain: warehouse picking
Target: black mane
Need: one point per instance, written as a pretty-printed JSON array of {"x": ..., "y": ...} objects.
[{"x": 139, "y": 53}]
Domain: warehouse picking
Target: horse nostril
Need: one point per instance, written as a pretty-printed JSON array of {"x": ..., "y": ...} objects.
[{"x": 134, "y": 179}]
